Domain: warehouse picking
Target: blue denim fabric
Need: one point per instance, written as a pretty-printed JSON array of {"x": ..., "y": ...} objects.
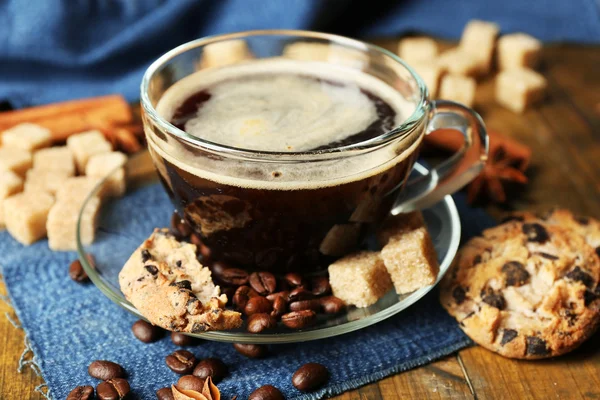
[
  {"x": 52, "y": 50},
  {"x": 69, "y": 325}
]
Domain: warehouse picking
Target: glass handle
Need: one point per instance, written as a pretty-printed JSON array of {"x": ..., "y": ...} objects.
[{"x": 456, "y": 171}]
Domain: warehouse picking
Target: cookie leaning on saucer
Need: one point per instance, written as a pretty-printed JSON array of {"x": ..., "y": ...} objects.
[{"x": 525, "y": 289}]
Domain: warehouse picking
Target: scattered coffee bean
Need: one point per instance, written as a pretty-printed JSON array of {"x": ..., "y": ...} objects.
[
  {"x": 113, "y": 389},
  {"x": 251, "y": 350},
  {"x": 242, "y": 295},
  {"x": 299, "y": 319},
  {"x": 285, "y": 294},
  {"x": 260, "y": 322},
  {"x": 310, "y": 377},
  {"x": 205, "y": 251},
  {"x": 279, "y": 307},
  {"x": 257, "y": 305},
  {"x": 165, "y": 394},
  {"x": 294, "y": 279},
  {"x": 263, "y": 282},
  {"x": 300, "y": 305},
  {"x": 320, "y": 286},
  {"x": 81, "y": 393},
  {"x": 190, "y": 382},
  {"x": 180, "y": 226},
  {"x": 195, "y": 240},
  {"x": 212, "y": 367},
  {"x": 233, "y": 276},
  {"x": 266, "y": 392},
  {"x": 181, "y": 339},
  {"x": 300, "y": 294},
  {"x": 77, "y": 273},
  {"x": 105, "y": 370},
  {"x": 146, "y": 332},
  {"x": 181, "y": 362},
  {"x": 331, "y": 305}
]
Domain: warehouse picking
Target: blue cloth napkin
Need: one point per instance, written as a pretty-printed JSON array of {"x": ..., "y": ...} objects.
[
  {"x": 68, "y": 325},
  {"x": 54, "y": 51}
]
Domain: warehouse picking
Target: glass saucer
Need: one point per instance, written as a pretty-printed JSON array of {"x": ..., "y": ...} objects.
[{"x": 124, "y": 223}]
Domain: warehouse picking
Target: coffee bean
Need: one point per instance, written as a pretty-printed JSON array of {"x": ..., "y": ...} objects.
[
  {"x": 257, "y": 305},
  {"x": 196, "y": 240},
  {"x": 180, "y": 226},
  {"x": 285, "y": 294},
  {"x": 279, "y": 307},
  {"x": 242, "y": 295},
  {"x": 300, "y": 294},
  {"x": 81, "y": 393},
  {"x": 146, "y": 332},
  {"x": 535, "y": 233},
  {"x": 260, "y": 322},
  {"x": 266, "y": 392},
  {"x": 294, "y": 279},
  {"x": 263, "y": 282},
  {"x": 299, "y": 319},
  {"x": 77, "y": 273},
  {"x": 181, "y": 362},
  {"x": 251, "y": 350},
  {"x": 113, "y": 389},
  {"x": 233, "y": 276},
  {"x": 507, "y": 336},
  {"x": 310, "y": 377},
  {"x": 105, "y": 370},
  {"x": 320, "y": 286},
  {"x": 212, "y": 367},
  {"x": 313, "y": 304},
  {"x": 181, "y": 339},
  {"x": 205, "y": 251},
  {"x": 165, "y": 393},
  {"x": 190, "y": 382},
  {"x": 515, "y": 273},
  {"x": 332, "y": 305}
]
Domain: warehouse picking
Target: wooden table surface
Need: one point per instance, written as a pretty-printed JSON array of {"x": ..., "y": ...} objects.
[{"x": 564, "y": 133}]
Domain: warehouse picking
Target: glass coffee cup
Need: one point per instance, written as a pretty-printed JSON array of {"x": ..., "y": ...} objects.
[{"x": 295, "y": 195}]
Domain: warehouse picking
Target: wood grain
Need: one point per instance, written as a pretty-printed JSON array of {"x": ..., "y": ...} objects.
[{"x": 564, "y": 133}]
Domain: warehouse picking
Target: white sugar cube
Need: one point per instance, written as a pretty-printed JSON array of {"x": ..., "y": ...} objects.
[
  {"x": 16, "y": 160},
  {"x": 54, "y": 159},
  {"x": 27, "y": 136},
  {"x": 417, "y": 50},
  {"x": 431, "y": 74},
  {"x": 224, "y": 53},
  {"x": 517, "y": 89},
  {"x": 85, "y": 145},
  {"x": 45, "y": 180},
  {"x": 102, "y": 165},
  {"x": 459, "y": 62},
  {"x": 458, "y": 88},
  {"x": 479, "y": 40},
  {"x": 25, "y": 215},
  {"x": 62, "y": 224},
  {"x": 518, "y": 50}
]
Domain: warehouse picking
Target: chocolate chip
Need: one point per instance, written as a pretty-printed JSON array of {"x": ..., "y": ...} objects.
[
  {"x": 536, "y": 346},
  {"x": 181, "y": 362},
  {"x": 181, "y": 339},
  {"x": 579, "y": 275},
  {"x": 113, "y": 389},
  {"x": 546, "y": 255},
  {"x": 257, "y": 305},
  {"x": 260, "y": 322},
  {"x": 294, "y": 279},
  {"x": 146, "y": 256},
  {"x": 508, "y": 335},
  {"x": 151, "y": 268},
  {"x": 190, "y": 382},
  {"x": 212, "y": 367},
  {"x": 263, "y": 282},
  {"x": 165, "y": 393},
  {"x": 476, "y": 259},
  {"x": 77, "y": 273},
  {"x": 310, "y": 377},
  {"x": 331, "y": 305},
  {"x": 515, "y": 273},
  {"x": 492, "y": 298},
  {"x": 199, "y": 327},
  {"x": 589, "y": 297},
  {"x": 535, "y": 232},
  {"x": 512, "y": 218},
  {"x": 266, "y": 392},
  {"x": 81, "y": 393},
  {"x": 598, "y": 251},
  {"x": 459, "y": 294},
  {"x": 104, "y": 370},
  {"x": 582, "y": 220},
  {"x": 185, "y": 284},
  {"x": 242, "y": 295},
  {"x": 299, "y": 319},
  {"x": 251, "y": 350},
  {"x": 146, "y": 332}
]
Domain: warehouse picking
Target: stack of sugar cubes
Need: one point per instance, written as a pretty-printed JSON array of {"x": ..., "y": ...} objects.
[
  {"x": 452, "y": 74},
  {"x": 43, "y": 188}
]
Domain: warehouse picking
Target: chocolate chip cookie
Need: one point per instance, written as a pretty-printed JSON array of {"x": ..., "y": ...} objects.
[
  {"x": 165, "y": 282},
  {"x": 525, "y": 289}
]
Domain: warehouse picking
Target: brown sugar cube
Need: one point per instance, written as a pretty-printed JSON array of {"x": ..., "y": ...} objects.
[
  {"x": 27, "y": 136},
  {"x": 417, "y": 50},
  {"x": 479, "y": 39},
  {"x": 393, "y": 225},
  {"x": 518, "y": 50},
  {"x": 76, "y": 188},
  {"x": 85, "y": 145},
  {"x": 359, "y": 279},
  {"x": 225, "y": 53},
  {"x": 458, "y": 88},
  {"x": 62, "y": 223},
  {"x": 431, "y": 74},
  {"x": 10, "y": 183},
  {"x": 45, "y": 180},
  {"x": 517, "y": 89},
  {"x": 458, "y": 62},
  {"x": 54, "y": 159},
  {"x": 16, "y": 160},
  {"x": 25, "y": 215},
  {"x": 102, "y": 165}
]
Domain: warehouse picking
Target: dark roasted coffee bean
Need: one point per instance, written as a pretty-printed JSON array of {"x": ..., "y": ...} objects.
[
  {"x": 459, "y": 294},
  {"x": 165, "y": 393},
  {"x": 508, "y": 335},
  {"x": 205, "y": 251},
  {"x": 285, "y": 294},
  {"x": 146, "y": 332},
  {"x": 310, "y": 376},
  {"x": 294, "y": 279},
  {"x": 104, "y": 370},
  {"x": 180, "y": 226},
  {"x": 251, "y": 350},
  {"x": 81, "y": 393},
  {"x": 535, "y": 232},
  {"x": 536, "y": 346},
  {"x": 212, "y": 367},
  {"x": 515, "y": 273},
  {"x": 233, "y": 276},
  {"x": 113, "y": 389},
  {"x": 257, "y": 305},
  {"x": 218, "y": 267},
  {"x": 263, "y": 282},
  {"x": 332, "y": 305},
  {"x": 320, "y": 286},
  {"x": 266, "y": 392},
  {"x": 299, "y": 319},
  {"x": 190, "y": 382},
  {"x": 195, "y": 239},
  {"x": 181, "y": 339},
  {"x": 181, "y": 362},
  {"x": 300, "y": 294},
  {"x": 260, "y": 322},
  {"x": 242, "y": 295},
  {"x": 492, "y": 298},
  {"x": 279, "y": 307},
  {"x": 77, "y": 273},
  {"x": 313, "y": 304},
  {"x": 579, "y": 275}
]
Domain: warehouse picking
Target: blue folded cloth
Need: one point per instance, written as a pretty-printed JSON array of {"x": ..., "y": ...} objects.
[{"x": 69, "y": 325}]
